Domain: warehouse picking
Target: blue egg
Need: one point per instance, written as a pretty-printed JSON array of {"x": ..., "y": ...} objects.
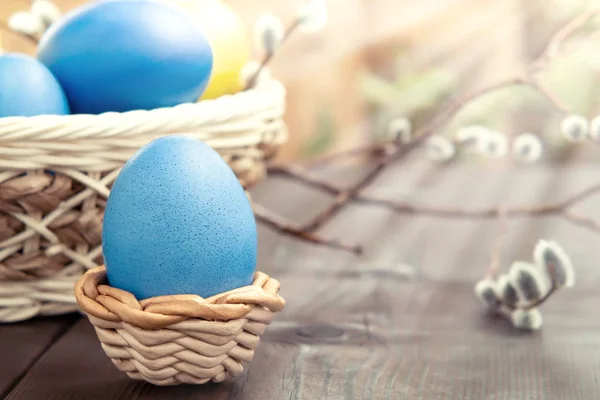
[
  {"x": 28, "y": 88},
  {"x": 122, "y": 55},
  {"x": 177, "y": 221}
]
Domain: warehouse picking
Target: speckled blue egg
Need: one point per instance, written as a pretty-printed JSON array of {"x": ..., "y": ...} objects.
[
  {"x": 177, "y": 221},
  {"x": 122, "y": 55},
  {"x": 28, "y": 88}
]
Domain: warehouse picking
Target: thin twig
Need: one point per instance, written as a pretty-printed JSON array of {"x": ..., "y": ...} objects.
[
  {"x": 552, "y": 97},
  {"x": 269, "y": 56},
  {"x": 374, "y": 150},
  {"x": 342, "y": 198},
  {"x": 461, "y": 102},
  {"x": 560, "y": 208},
  {"x": 541, "y": 300},
  {"x": 581, "y": 220},
  {"x": 556, "y": 42},
  {"x": 300, "y": 174},
  {"x": 534, "y": 210},
  {"x": 581, "y": 196},
  {"x": 506, "y": 310},
  {"x": 537, "y": 210},
  {"x": 286, "y": 227},
  {"x": 586, "y": 39}
]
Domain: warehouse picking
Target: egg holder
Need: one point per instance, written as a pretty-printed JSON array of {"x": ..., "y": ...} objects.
[
  {"x": 171, "y": 340},
  {"x": 56, "y": 172}
]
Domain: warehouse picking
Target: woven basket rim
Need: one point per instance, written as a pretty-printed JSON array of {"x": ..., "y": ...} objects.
[
  {"x": 107, "y": 303},
  {"x": 249, "y": 102}
]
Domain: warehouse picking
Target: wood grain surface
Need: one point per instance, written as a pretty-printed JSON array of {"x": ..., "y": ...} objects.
[
  {"x": 21, "y": 345},
  {"x": 401, "y": 322}
]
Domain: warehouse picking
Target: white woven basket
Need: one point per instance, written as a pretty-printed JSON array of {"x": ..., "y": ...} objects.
[{"x": 56, "y": 172}]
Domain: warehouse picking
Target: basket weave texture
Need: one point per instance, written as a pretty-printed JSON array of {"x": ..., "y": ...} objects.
[
  {"x": 170, "y": 340},
  {"x": 56, "y": 173}
]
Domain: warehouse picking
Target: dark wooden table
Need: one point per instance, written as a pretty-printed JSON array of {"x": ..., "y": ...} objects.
[{"x": 400, "y": 322}]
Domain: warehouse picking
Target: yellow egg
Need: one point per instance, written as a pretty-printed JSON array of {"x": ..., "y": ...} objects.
[{"x": 229, "y": 41}]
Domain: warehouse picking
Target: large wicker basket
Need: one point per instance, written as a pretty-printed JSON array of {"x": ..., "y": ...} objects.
[
  {"x": 170, "y": 340},
  {"x": 56, "y": 173}
]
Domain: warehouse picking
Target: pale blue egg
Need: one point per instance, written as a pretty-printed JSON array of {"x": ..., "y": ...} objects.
[
  {"x": 28, "y": 88},
  {"x": 177, "y": 221},
  {"x": 122, "y": 55}
]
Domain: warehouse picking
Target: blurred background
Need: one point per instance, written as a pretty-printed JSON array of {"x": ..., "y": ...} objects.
[{"x": 380, "y": 59}]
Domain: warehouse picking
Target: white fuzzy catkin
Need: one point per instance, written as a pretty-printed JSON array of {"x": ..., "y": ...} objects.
[
  {"x": 485, "y": 290},
  {"x": 46, "y": 10},
  {"x": 493, "y": 144},
  {"x": 551, "y": 258},
  {"x": 506, "y": 290},
  {"x": 575, "y": 128},
  {"x": 531, "y": 284},
  {"x": 527, "y": 148},
  {"x": 249, "y": 70},
  {"x": 439, "y": 149},
  {"x": 595, "y": 128},
  {"x": 313, "y": 16},
  {"x": 400, "y": 129},
  {"x": 268, "y": 33},
  {"x": 527, "y": 319},
  {"x": 26, "y": 23}
]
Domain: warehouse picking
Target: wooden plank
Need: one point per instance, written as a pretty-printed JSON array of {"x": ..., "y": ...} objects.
[
  {"x": 23, "y": 343},
  {"x": 374, "y": 328},
  {"x": 76, "y": 368}
]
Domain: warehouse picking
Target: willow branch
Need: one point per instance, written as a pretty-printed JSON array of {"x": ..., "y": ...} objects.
[
  {"x": 536, "y": 84},
  {"x": 581, "y": 196},
  {"x": 402, "y": 149},
  {"x": 581, "y": 220},
  {"x": 560, "y": 208},
  {"x": 392, "y": 151},
  {"x": 286, "y": 227},
  {"x": 300, "y": 174},
  {"x": 554, "y": 47},
  {"x": 345, "y": 196},
  {"x": 373, "y": 150},
  {"x": 535, "y": 210},
  {"x": 542, "y": 299},
  {"x": 269, "y": 56},
  {"x": 505, "y": 310}
]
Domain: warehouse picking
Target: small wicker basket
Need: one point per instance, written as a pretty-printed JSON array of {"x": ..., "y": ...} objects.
[
  {"x": 170, "y": 340},
  {"x": 56, "y": 173}
]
